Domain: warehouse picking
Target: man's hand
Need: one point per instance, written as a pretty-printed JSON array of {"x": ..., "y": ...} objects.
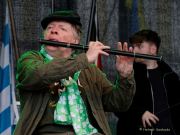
[
  {"x": 148, "y": 118},
  {"x": 124, "y": 64},
  {"x": 96, "y": 48}
]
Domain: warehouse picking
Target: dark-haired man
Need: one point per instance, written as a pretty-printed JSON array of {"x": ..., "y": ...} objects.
[{"x": 155, "y": 107}]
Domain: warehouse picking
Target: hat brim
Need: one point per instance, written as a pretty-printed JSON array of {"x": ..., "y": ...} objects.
[{"x": 49, "y": 19}]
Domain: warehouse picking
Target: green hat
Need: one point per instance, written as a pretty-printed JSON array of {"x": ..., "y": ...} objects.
[{"x": 64, "y": 15}]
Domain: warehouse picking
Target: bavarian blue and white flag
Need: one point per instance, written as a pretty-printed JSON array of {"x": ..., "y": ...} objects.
[{"x": 8, "y": 108}]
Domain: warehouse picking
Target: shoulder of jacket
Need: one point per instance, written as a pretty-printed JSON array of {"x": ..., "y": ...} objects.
[{"x": 31, "y": 54}]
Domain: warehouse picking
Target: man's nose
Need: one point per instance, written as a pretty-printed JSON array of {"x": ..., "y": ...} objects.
[{"x": 54, "y": 31}]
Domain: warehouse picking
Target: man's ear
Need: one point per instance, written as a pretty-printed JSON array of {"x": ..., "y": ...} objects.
[
  {"x": 77, "y": 41},
  {"x": 153, "y": 49},
  {"x": 44, "y": 33}
]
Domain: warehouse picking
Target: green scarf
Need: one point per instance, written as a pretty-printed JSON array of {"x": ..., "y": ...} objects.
[{"x": 70, "y": 108}]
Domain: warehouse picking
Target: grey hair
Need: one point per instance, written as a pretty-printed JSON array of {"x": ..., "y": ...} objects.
[{"x": 77, "y": 30}]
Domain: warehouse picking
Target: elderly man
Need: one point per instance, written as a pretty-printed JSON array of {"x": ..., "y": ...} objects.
[{"x": 65, "y": 94}]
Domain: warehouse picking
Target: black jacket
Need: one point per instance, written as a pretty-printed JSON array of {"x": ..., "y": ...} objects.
[{"x": 130, "y": 122}]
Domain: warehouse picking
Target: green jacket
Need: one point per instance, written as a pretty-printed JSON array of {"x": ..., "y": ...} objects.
[{"x": 34, "y": 75}]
